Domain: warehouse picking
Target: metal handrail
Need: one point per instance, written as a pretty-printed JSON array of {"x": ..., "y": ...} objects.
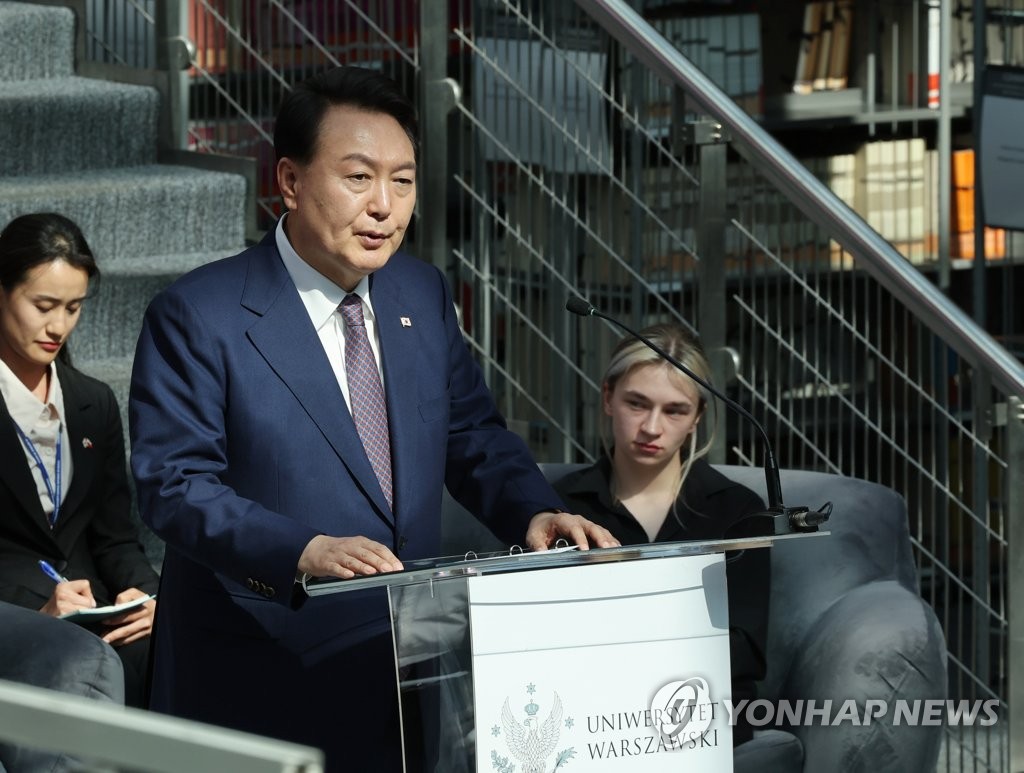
[
  {"x": 134, "y": 739},
  {"x": 881, "y": 260}
]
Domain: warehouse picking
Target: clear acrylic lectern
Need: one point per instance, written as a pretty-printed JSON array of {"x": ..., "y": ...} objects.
[{"x": 612, "y": 659}]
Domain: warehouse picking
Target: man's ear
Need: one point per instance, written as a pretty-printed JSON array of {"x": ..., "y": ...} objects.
[{"x": 288, "y": 182}]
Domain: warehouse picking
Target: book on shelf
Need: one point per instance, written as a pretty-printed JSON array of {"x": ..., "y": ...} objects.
[
  {"x": 961, "y": 221},
  {"x": 934, "y": 21},
  {"x": 839, "y": 55},
  {"x": 807, "y": 58},
  {"x": 890, "y": 193},
  {"x": 824, "y": 51},
  {"x": 932, "y": 221},
  {"x": 823, "y": 59},
  {"x": 961, "y": 42}
]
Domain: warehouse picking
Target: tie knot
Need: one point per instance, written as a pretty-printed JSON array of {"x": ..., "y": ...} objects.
[{"x": 352, "y": 310}]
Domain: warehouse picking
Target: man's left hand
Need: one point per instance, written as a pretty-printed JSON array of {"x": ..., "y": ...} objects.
[{"x": 547, "y": 527}]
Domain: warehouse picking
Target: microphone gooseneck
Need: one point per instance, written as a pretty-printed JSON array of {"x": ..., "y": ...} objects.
[{"x": 796, "y": 519}]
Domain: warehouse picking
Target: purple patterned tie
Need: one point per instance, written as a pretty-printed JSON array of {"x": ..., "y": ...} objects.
[{"x": 365, "y": 394}]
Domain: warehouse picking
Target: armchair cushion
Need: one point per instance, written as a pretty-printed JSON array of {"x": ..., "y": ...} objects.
[{"x": 43, "y": 651}]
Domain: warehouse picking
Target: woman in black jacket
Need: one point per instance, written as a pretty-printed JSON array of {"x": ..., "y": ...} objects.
[{"x": 64, "y": 493}]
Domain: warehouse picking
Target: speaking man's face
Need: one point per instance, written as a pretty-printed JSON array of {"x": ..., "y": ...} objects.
[{"x": 349, "y": 207}]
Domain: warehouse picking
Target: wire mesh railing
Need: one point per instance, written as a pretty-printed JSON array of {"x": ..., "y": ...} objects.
[
  {"x": 121, "y": 32},
  {"x": 575, "y": 165},
  {"x": 244, "y": 56},
  {"x": 247, "y": 54},
  {"x": 848, "y": 376}
]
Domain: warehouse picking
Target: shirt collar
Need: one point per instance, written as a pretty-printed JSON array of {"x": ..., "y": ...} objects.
[
  {"x": 702, "y": 482},
  {"x": 594, "y": 480},
  {"x": 25, "y": 408},
  {"x": 319, "y": 295}
]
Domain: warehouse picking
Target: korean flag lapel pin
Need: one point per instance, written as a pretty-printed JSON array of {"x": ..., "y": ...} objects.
[
  {"x": 86, "y": 443},
  {"x": 406, "y": 321}
]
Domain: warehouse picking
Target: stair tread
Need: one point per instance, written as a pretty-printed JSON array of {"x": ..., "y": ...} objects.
[
  {"x": 133, "y": 211},
  {"x": 157, "y": 265},
  {"x": 37, "y": 41},
  {"x": 152, "y": 175},
  {"x": 68, "y": 124},
  {"x": 72, "y": 85}
]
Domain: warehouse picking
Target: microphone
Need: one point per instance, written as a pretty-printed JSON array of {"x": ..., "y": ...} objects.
[{"x": 782, "y": 519}]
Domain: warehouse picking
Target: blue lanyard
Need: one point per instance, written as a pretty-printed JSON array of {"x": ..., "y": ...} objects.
[{"x": 54, "y": 492}]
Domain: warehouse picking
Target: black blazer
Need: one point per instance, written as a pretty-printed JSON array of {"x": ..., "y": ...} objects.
[{"x": 95, "y": 537}]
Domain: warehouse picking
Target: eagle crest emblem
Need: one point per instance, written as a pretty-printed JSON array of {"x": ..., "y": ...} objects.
[{"x": 532, "y": 740}]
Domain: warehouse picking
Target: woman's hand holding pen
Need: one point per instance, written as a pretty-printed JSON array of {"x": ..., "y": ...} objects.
[
  {"x": 68, "y": 596},
  {"x": 131, "y": 626}
]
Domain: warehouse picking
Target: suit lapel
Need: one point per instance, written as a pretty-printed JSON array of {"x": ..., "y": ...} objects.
[
  {"x": 15, "y": 472},
  {"x": 286, "y": 339},
  {"x": 398, "y": 356}
]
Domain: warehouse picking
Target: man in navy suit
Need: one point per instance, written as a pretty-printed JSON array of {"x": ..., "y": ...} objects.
[{"x": 249, "y": 462}]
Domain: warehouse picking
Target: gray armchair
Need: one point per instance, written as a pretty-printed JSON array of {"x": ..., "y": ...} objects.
[
  {"x": 846, "y": 622},
  {"x": 43, "y": 651}
]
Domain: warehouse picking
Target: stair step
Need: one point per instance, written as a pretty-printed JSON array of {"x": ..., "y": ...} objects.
[
  {"x": 131, "y": 212},
  {"x": 36, "y": 41},
  {"x": 67, "y": 124},
  {"x": 112, "y": 316},
  {"x": 116, "y": 372}
]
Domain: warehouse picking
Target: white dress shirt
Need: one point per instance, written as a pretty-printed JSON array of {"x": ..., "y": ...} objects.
[
  {"x": 322, "y": 297},
  {"x": 40, "y": 422}
]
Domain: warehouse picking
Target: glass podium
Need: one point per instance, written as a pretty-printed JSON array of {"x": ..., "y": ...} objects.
[{"x": 612, "y": 659}]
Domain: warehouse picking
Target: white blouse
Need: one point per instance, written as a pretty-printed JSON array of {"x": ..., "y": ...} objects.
[{"x": 40, "y": 422}]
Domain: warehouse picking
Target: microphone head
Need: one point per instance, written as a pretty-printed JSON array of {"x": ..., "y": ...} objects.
[{"x": 577, "y": 305}]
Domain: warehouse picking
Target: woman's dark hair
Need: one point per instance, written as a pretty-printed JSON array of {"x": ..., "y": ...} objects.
[
  {"x": 297, "y": 127},
  {"x": 34, "y": 240}
]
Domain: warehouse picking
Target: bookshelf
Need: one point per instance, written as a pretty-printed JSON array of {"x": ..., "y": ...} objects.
[{"x": 852, "y": 88}]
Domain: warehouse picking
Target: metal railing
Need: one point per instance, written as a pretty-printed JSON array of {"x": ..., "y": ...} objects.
[
  {"x": 106, "y": 737},
  {"x": 572, "y": 149},
  {"x": 122, "y": 32}
]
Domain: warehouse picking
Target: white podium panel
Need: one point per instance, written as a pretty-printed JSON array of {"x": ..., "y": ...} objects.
[
  {"x": 613, "y": 659},
  {"x": 610, "y": 667}
]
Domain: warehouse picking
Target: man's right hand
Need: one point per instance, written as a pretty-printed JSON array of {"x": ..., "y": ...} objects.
[
  {"x": 346, "y": 557},
  {"x": 69, "y": 596}
]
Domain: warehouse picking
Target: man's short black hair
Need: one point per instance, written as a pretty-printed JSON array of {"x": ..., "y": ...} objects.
[{"x": 302, "y": 110}]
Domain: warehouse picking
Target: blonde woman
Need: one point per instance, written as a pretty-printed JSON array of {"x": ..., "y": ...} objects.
[{"x": 653, "y": 484}]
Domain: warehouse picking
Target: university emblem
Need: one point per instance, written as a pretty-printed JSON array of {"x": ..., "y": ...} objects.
[{"x": 531, "y": 737}]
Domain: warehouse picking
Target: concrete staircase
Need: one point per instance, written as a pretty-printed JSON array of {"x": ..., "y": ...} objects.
[{"x": 88, "y": 150}]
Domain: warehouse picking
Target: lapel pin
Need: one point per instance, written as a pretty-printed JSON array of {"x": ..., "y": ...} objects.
[
  {"x": 406, "y": 322},
  {"x": 86, "y": 443}
]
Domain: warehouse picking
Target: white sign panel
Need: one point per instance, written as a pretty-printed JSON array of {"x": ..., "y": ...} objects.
[
  {"x": 1002, "y": 148},
  {"x": 614, "y": 667}
]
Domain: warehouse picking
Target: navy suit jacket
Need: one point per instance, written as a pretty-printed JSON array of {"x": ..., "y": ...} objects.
[
  {"x": 243, "y": 450},
  {"x": 95, "y": 537}
]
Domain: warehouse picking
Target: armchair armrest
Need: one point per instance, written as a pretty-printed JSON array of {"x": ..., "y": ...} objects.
[{"x": 878, "y": 642}]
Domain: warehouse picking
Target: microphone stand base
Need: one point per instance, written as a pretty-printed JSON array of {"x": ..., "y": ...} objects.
[{"x": 779, "y": 521}]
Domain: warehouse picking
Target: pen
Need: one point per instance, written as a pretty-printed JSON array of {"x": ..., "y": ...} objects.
[{"x": 52, "y": 573}]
